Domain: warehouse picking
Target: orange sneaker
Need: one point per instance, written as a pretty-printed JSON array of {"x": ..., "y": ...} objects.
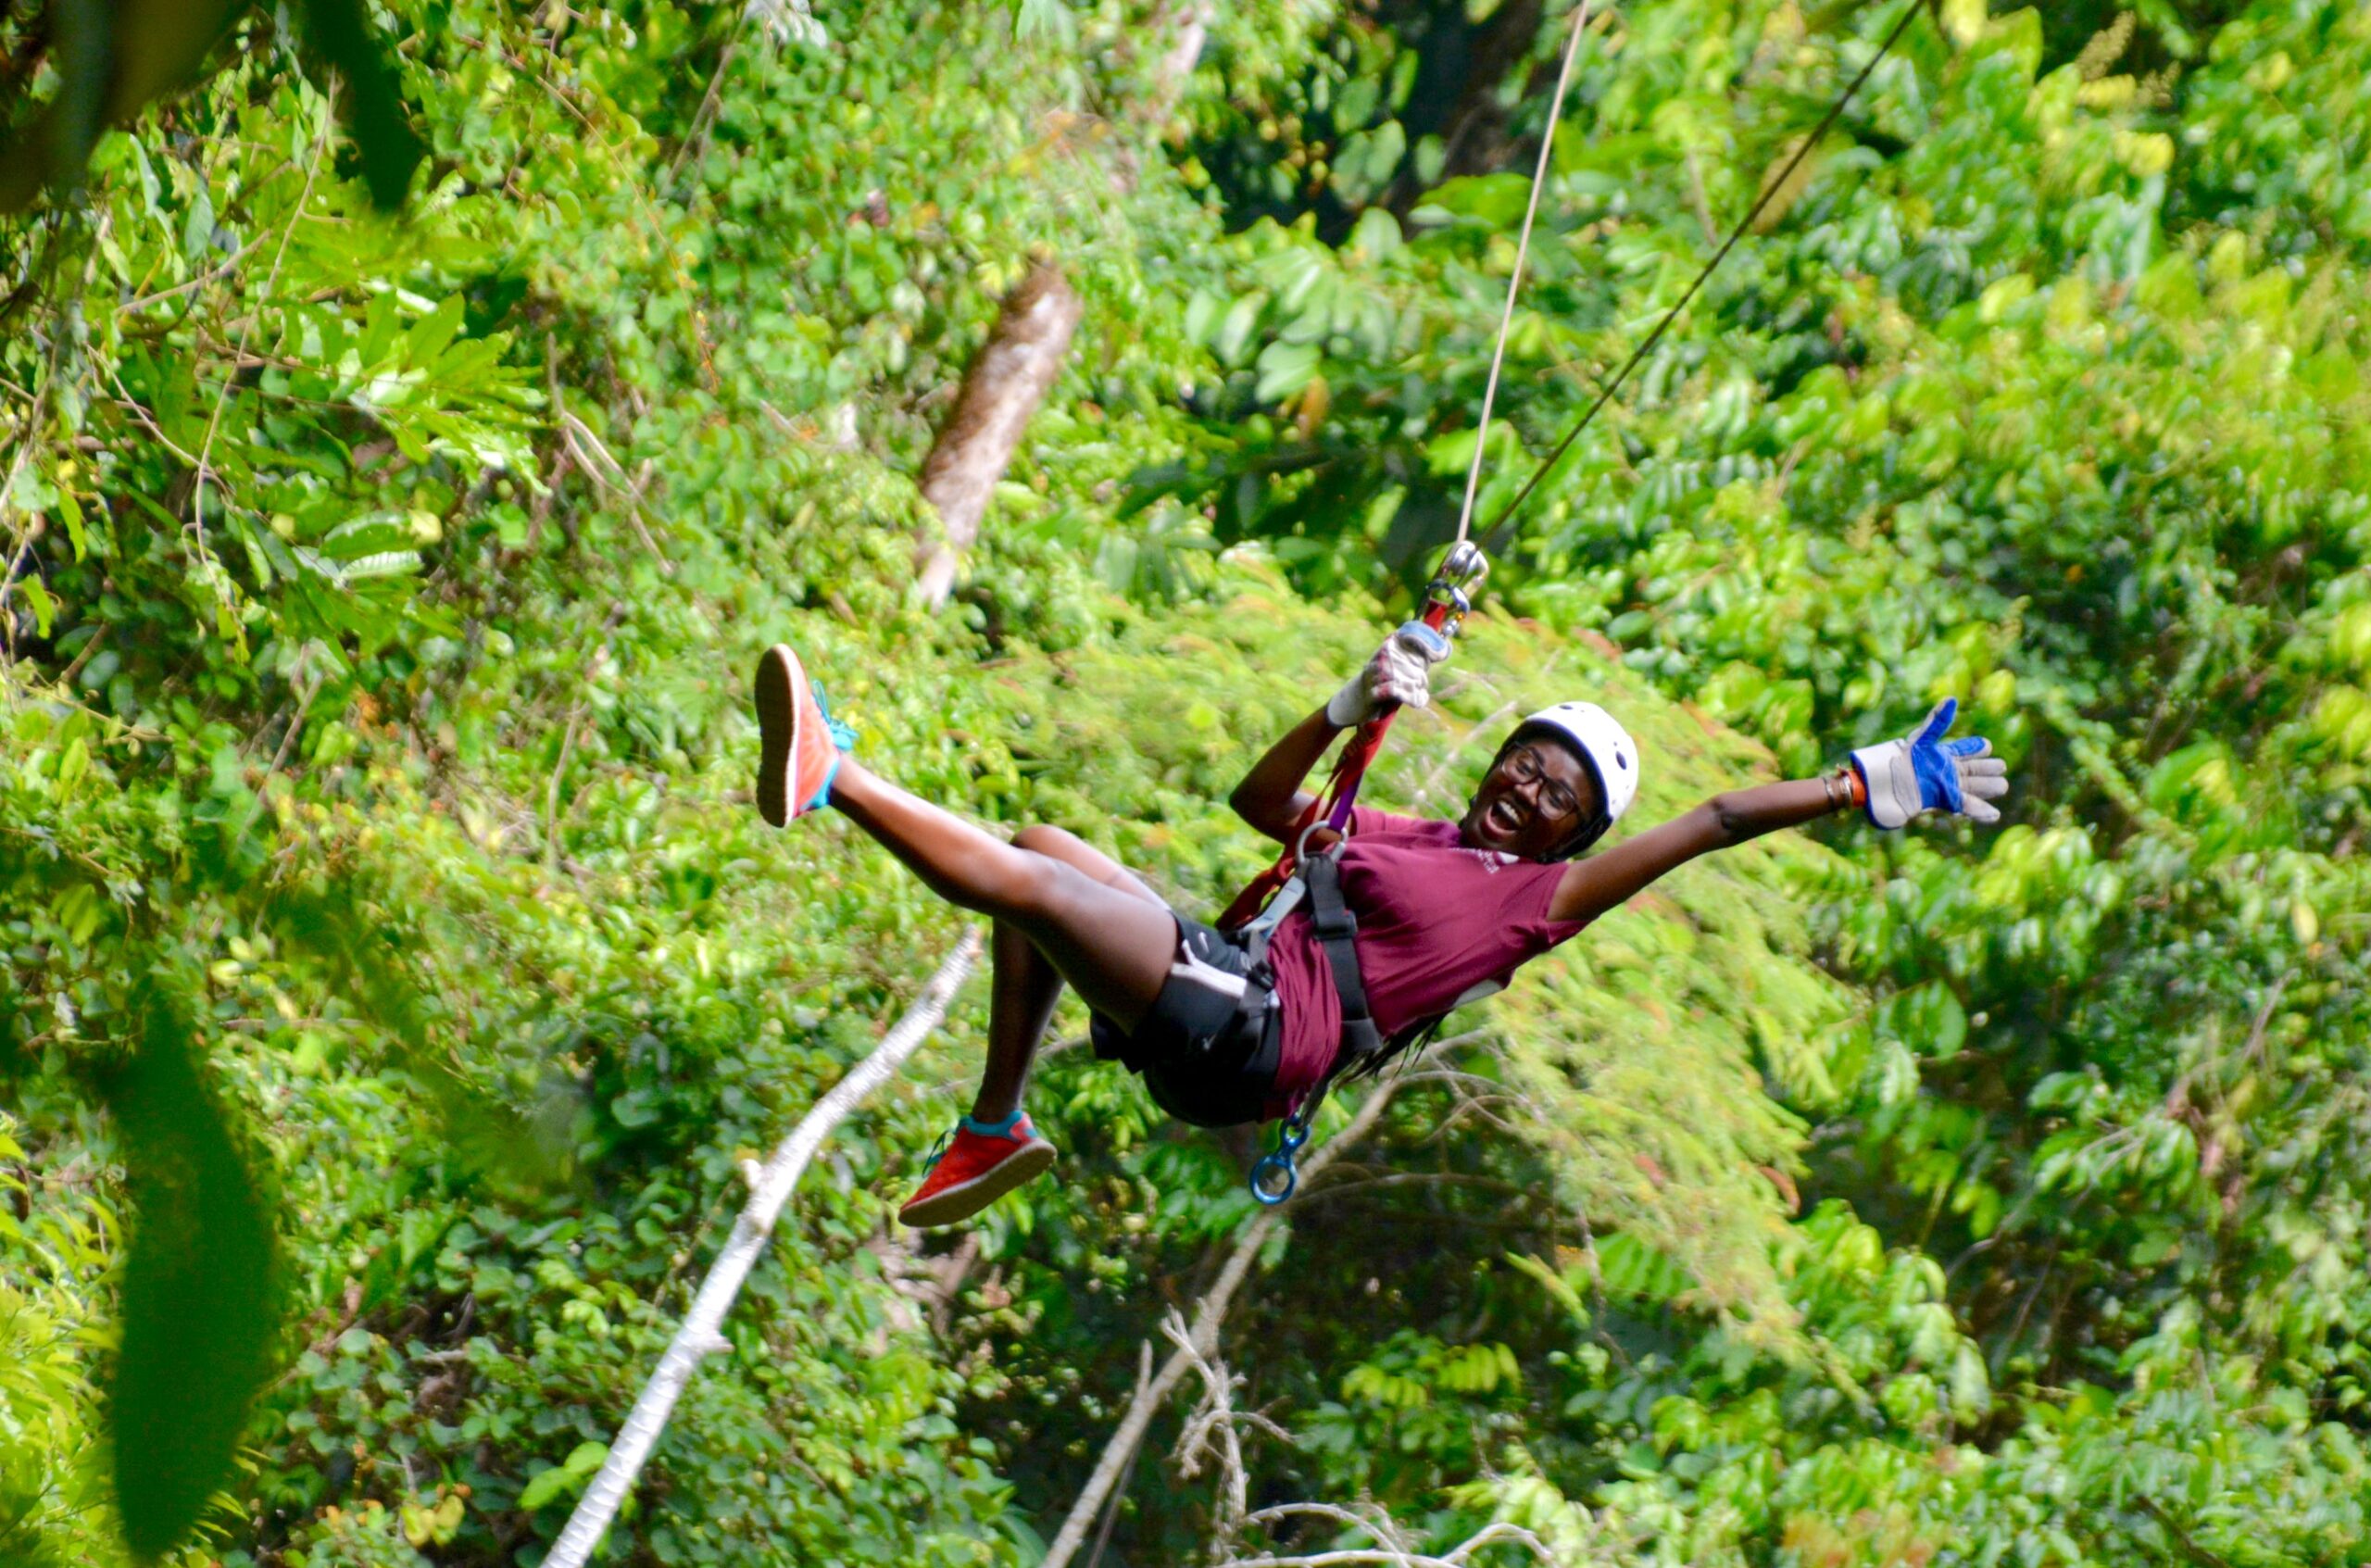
[
  {"x": 974, "y": 1166},
  {"x": 802, "y": 742}
]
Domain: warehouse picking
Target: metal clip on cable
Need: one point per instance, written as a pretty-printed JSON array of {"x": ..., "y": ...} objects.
[
  {"x": 1274, "y": 1175},
  {"x": 1447, "y": 601},
  {"x": 1448, "y": 597}
]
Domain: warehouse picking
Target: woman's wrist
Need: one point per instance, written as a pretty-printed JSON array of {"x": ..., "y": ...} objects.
[{"x": 1845, "y": 790}]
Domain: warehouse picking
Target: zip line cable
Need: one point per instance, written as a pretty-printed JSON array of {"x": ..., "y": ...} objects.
[
  {"x": 1514, "y": 283},
  {"x": 1342, "y": 788},
  {"x": 1333, "y": 804},
  {"x": 1499, "y": 533}
]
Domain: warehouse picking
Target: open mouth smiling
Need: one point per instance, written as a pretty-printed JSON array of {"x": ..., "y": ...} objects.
[{"x": 1505, "y": 817}]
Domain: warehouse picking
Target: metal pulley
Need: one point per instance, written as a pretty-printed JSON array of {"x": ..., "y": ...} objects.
[{"x": 1449, "y": 597}]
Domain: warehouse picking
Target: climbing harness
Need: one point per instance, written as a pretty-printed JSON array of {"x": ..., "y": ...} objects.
[
  {"x": 1365, "y": 1048},
  {"x": 1262, "y": 905},
  {"x": 1319, "y": 877}
]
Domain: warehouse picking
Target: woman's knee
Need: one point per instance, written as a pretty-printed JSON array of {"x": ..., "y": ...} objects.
[
  {"x": 1060, "y": 844},
  {"x": 1067, "y": 850},
  {"x": 1040, "y": 887}
]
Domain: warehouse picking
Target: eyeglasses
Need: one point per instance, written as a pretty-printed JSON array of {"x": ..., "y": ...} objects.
[{"x": 1524, "y": 766}]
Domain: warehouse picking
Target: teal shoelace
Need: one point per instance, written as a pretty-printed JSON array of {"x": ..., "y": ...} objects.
[{"x": 843, "y": 735}]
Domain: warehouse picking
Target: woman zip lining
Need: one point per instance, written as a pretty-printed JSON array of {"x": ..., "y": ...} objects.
[
  {"x": 1404, "y": 918},
  {"x": 1230, "y": 1027}
]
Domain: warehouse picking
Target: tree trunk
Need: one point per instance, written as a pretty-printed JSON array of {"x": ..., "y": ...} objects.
[
  {"x": 1001, "y": 390},
  {"x": 1178, "y": 62}
]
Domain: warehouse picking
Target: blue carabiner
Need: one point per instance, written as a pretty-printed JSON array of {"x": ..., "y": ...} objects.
[{"x": 1291, "y": 1134}]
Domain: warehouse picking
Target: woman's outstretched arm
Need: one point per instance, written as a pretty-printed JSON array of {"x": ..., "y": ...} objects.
[
  {"x": 1894, "y": 783},
  {"x": 1600, "y": 882}
]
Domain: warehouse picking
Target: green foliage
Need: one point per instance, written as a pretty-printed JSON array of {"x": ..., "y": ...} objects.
[
  {"x": 98, "y": 63},
  {"x": 52, "y": 1474},
  {"x": 377, "y": 600}
]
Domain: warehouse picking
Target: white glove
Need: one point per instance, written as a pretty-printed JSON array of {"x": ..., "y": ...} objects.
[
  {"x": 1400, "y": 672},
  {"x": 1923, "y": 771}
]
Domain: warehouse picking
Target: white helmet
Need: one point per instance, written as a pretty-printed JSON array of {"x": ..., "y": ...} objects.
[{"x": 1605, "y": 746}]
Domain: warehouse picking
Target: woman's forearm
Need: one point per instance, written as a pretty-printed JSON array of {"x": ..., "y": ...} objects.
[
  {"x": 1740, "y": 814},
  {"x": 1598, "y": 883},
  {"x": 1269, "y": 798}
]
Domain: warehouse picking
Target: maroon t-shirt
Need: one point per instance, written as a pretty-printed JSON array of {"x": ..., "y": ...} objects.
[{"x": 1435, "y": 920}]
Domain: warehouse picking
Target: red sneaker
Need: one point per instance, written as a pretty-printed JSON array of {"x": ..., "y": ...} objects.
[
  {"x": 979, "y": 1162},
  {"x": 801, "y": 741}
]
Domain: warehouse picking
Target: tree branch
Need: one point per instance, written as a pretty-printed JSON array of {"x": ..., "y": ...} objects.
[
  {"x": 1202, "y": 1342},
  {"x": 702, "y": 1332}
]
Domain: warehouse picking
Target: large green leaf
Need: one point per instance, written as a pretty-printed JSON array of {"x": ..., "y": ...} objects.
[{"x": 200, "y": 1304}]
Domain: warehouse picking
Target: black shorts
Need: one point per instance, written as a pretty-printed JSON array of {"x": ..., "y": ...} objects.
[{"x": 1207, "y": 1050}]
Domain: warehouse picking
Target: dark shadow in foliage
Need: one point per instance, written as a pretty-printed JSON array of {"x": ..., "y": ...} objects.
[
  {"x": 114, "y": 57},
  {"x": 1459, "y": 93},
  {"x": 2138, "y": 40},
  {"x": 1456, "y": 90},
  {"x": 523, "y": 1151},
  {"x": 341, "y": 32},
  {"x": 201, "y": 1301}
]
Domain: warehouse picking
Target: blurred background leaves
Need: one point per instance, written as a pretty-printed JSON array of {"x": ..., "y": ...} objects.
[{"x": 376, "y": 598}]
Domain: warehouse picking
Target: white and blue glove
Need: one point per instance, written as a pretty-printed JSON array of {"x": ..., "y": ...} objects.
[
  {"x": 1922, "y": 772},
  {"x": 1400, "y": 672}
]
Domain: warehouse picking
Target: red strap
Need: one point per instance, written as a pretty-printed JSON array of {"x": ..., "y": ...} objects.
[{"x": 1255, "y": 894}]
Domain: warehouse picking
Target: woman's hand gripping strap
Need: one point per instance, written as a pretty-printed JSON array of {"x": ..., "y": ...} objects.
[
  {"x": 1446, "y": 608},
  {"x": 1398, "y": 675}
]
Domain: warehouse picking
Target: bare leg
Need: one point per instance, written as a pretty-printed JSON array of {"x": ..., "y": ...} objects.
[
  {"x": 1111, "y": 942},
  {"x": 1025, "y": 986}
]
